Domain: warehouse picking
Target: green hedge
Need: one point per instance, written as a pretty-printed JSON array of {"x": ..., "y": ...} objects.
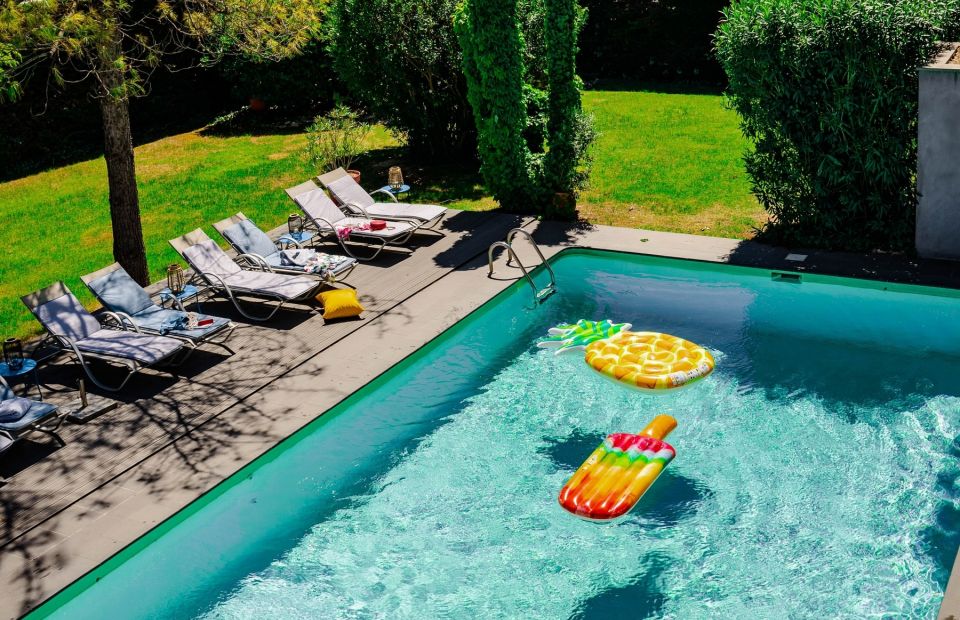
[
  {"x": 827, "y": 92},
  {"x": 499, "y": 97},
  {"x": 401, "y": 61},
  {"x": 533, "y": 138}
]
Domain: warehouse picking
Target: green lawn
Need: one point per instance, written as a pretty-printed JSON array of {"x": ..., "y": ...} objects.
[
  {"x": 668, "y": 162},
  {"x": 663, "y": 161}
]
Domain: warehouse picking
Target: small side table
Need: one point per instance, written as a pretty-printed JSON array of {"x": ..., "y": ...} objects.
[
  {"x": 301, "y": 237},
  {"x": 28, "y": 366},
  {"x": 396, "y": 192},
  {"x": 178, "y": 300}
]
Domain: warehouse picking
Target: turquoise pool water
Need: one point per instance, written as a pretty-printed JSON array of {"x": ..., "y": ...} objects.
[{"x": 817, "y": 470}]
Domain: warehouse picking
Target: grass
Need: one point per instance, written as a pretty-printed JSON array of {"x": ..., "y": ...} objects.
[
  {"x": 663, "y": 161},
  {"x": 668, "y": 162}
]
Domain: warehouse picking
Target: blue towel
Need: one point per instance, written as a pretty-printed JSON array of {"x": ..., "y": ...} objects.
[{"x": 175, "y": 323}]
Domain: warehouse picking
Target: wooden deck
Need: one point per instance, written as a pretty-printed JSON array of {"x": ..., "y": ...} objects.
[{"x": 158, "y": 409}]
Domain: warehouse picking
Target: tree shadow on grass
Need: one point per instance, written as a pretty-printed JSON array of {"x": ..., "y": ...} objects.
[
  {"x": 45, "y": 131},
  {"x": 652, "y": 86},
  {"x": 247, "y": 122}
]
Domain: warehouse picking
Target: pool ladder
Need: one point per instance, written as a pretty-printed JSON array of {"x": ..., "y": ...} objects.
[{"x": 539, "y": 294}]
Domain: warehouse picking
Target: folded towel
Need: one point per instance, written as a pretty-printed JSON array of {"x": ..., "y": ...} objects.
[
  {"x": 296, "y": 258},
  {"x": 312, "y": 261},
  {"x": 185, "y": 321}
]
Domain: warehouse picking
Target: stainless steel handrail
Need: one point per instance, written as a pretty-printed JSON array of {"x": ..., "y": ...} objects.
[
  {"x": 519, "y": 231},
  {"x": 538, "y": 294}
]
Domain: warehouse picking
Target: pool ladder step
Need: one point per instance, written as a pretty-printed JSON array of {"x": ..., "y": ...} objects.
[{"x": 539, "y": 294}]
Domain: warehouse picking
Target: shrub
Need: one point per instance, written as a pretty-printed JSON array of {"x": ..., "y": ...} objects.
[
  {"x": 401, "y": 60},
  {"x": 563, "y": 170},
  {"x": 302, "y": 83},
  {"x": 335, "y": 139},
  {"x": 827, "y": 92},
  {"x": 499, "y": 98},
  {"x": 533, "y": 137}
]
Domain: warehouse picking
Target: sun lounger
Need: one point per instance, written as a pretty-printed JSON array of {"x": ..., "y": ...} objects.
[
  {"x": 256, "y": 251},
  {"x": 346, "y": 191},
  {"x": 329, "y": 220},
  {"x": 76, "y": 331},
  {"x": 127, "y": 304},
  {"x": 20, "y": 417},
  {"x": 221, "y": 273}
]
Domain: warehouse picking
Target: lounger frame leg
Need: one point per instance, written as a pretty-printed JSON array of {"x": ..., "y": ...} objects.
[
  {"x": 236, "y": 303},
  {"x": 134, "y": 368}
]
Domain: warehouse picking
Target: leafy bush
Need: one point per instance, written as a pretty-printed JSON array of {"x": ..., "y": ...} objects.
[
  {"x": 827, "y": 92},
  {"x": 305, "y": 82},
  {"x": 533, "y": 136},
  {"x": 401, "y": 60},
  {"x": 493, "y": 62},
  {"x": 564, "y": 169},
  {"x": 335, "y": 139}
]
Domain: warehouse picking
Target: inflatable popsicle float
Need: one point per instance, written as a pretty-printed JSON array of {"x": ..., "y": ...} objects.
[{"x": 614, "y": 478}]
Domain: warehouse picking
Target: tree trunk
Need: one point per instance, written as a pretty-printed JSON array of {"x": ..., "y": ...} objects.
[{"x": 128, "y": 247}]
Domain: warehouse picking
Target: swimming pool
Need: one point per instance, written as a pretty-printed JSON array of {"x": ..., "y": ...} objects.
[{"x": 816, "y": 471}]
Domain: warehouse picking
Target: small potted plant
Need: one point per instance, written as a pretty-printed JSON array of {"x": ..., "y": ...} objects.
[{"x": 336, "y": 139}]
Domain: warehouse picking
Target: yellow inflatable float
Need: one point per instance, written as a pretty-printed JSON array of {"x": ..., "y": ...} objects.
[{"x": 649, "y": 361}]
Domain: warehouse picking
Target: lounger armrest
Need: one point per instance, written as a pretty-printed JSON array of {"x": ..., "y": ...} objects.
[
  {"x": 285, "y": 241},
  {"x": 254, "y": 260},
  {"x": 383, "y": 191},
  {"x": 313, "y": 223},
  {"x": 69, "y": 345},
  {"x": 355, "y": 206},
  {"x": 124, "y": 322}
]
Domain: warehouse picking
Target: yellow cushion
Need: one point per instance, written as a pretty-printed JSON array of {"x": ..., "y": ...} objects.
[{"x": 340, "y": 303}]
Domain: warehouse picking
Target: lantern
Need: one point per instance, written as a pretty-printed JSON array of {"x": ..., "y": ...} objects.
[
  {"x": 294, "y": 223},
  {"x": 13, "y": 353},
  {"x": 395, "y": 178},
  {"x": 175, "y": 279}
]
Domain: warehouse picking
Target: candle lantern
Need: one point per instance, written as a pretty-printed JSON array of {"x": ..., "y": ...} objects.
[
  {"x": 175, "y": 280},
  {"x": 294, "y": 223},
  {"x": 395, "y": 178},
  {"x": 13, "y": 353}
]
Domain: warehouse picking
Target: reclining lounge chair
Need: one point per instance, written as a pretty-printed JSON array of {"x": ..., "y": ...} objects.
[
  {"x": 257, "y": 251},
  {"x": 20, "y": 417},
  {"x": 329, "y": 220},
  {"x": 347, "y": 192},
  {"x": 76, "y": 331},
  {"x": 214, "y": 267},
  {"x": 128, "y": 305}
]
